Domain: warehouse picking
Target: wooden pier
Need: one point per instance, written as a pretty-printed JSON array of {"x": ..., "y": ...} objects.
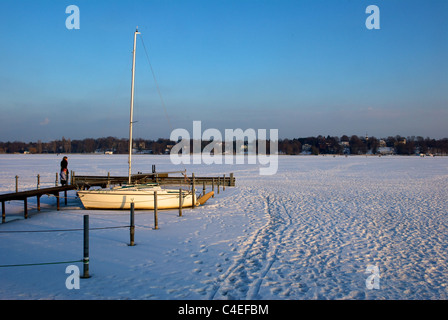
[
  {"x": 163, "y": 178},
  {"x": 24, "y": 195}
]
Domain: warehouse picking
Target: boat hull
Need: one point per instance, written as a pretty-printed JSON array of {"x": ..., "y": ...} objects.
[{"x": 143, "y": 199}]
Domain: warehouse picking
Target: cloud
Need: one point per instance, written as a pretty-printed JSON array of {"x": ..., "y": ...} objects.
[{"x": 45, "y": 122}]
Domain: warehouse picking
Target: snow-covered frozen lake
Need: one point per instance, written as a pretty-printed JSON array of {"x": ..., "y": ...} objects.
[{"x": 308, "y": 232}]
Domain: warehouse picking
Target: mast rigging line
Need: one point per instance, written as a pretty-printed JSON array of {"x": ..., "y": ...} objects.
[
  {"x": 155, "y": 80},
  {"x": 160, "y": 94}
]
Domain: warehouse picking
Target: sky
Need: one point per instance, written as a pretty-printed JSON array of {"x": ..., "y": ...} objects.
[{"x": 306, "y": 68}]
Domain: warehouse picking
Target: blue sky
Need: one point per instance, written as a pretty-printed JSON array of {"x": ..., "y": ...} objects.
[{"x": 306, "y": 68}]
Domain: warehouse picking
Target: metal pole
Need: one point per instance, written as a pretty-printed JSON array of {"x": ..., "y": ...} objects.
[
  {"x": 218, "y": 183},
  {"x": 86, "y": 259},
  {"x": 25, "y": 207},
  {"x": 132, "y": 227},
  {"x": 180, "y": 202},
  {"x": 193, "y": 191},
  {"x": 156, "y": 223}
]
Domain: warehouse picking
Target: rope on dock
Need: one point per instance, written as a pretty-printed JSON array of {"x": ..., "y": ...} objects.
[{"x": 61, "y": 230}]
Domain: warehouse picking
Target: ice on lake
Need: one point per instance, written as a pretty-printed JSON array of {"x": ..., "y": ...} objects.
[{"x": 308, "y": 232}]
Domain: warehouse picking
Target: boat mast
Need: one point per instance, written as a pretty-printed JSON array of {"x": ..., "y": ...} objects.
[{"x": 132, "y": 104}]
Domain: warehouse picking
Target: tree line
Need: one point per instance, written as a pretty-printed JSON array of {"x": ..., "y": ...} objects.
[
  {"x": 359, "y": 145},
  {"x": 311, "y": 145}
]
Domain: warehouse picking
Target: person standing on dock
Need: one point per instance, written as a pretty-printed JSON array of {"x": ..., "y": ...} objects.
[{"x": 64, "y": 171}]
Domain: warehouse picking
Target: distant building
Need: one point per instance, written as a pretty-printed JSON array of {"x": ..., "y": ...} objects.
[
  {"x": 385, "y": 150},
  {"x": 306, "y": 148},
  {"x": 345, "y": 147}
]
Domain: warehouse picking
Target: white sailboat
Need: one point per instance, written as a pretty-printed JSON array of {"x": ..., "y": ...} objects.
[
  {"x": 120, "y": 198},
  {"x": 142, "y": 195}
]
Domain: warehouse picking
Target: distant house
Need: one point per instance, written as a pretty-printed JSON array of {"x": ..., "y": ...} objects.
[
  {"x": 146, "y": 151},
  {"x": 345, "y": 147},
  {"x": 385, "y": 150},
  {"x": 168, "y": 148},
  {"x": 306, "y": 148}
]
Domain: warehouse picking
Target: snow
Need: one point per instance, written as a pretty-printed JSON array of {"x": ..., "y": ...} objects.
[{"x": 308, "y": 232}]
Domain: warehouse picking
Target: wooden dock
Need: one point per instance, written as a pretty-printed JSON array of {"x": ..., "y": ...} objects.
[
  {"x": 163, "y": 178},
  {"x": 24, "y": 195}
]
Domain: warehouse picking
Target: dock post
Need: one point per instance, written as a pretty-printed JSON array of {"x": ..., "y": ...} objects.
[
  {"x": 231, "y": 179},
  {"x": 156, "y": 222},
  {"x": 56, "y": 181},
  {"x": 224, "y": 183},
  {"x": 180, "y": 202},
  {"x": 3, "y": 212},
  {"x": 38, "y": 203},
  {"x": 203, "y": 188},
  {"x": 132, "y": 226},
  {"x": 57, "y": 200},
  {"x": 218, "y": 183},
  {"x": 86, "y": 259},
  {"x": 38, "y": 181},
  {"x": 25, "y": 207},
  {"x": 17, "y": 183},
  {"x": 193, "y": 191},
  {"x": 213, "y": 187},
  {"x": 65, "y": 196}
]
